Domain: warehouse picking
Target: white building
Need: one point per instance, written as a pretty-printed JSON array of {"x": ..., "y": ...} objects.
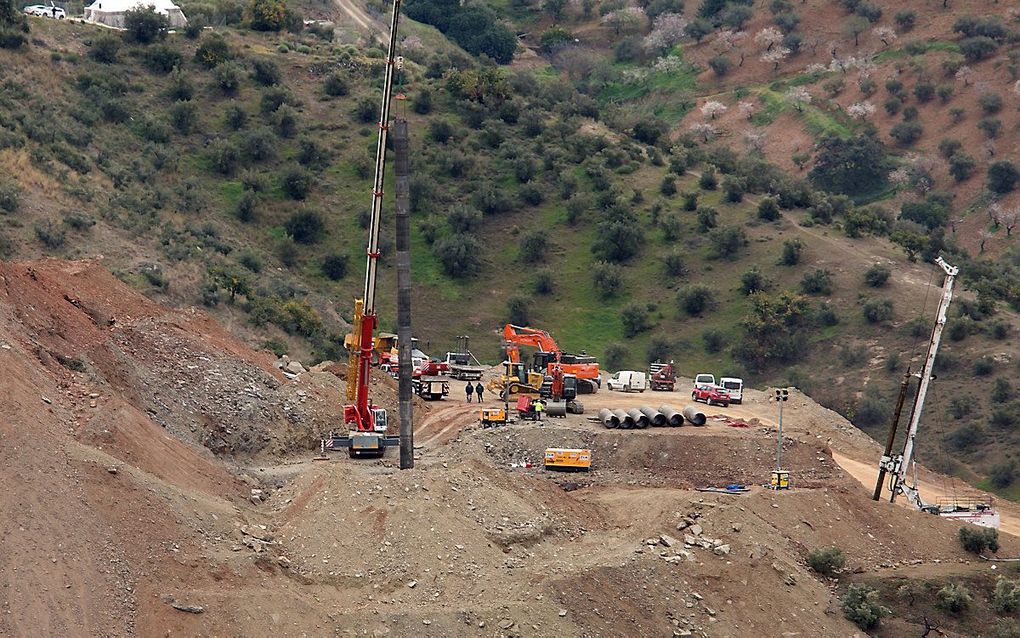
[{"x": 111, "y": 12}]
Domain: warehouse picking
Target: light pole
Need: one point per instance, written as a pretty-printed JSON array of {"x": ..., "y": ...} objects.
[{"x": 780, "y": 477}]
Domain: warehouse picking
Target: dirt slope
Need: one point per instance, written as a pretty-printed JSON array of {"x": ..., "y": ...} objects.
[{"x": 134, "y": 437}]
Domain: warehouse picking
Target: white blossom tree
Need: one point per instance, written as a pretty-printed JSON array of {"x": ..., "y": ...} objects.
[
  {"x": 712, "y": 109},
  {"x": 769, "y": 37},
  {"x": 704, "y": 130},
  {"x": 746, "y": 109},
  {"x": 624, "y": 20},
  {"x": 965, "y": 74},
  {"x": 755, "y": 141},
  {"x": 860, "y": 110},
  {"x": 798, "y": 96},
  {"x": 1009, "y": 219},
  {"x": 667, "y": 30},
  {"x": 775, "y": 56},
  {"x": 1016, "y": 87},
  {"x": 885, "y": 34}
]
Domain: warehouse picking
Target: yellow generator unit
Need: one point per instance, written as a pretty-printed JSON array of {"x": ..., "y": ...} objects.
[
  {"x": 557, "y": 458},
  {"x": 493, "y": 416},
  {"x": 780, "y": 480}
]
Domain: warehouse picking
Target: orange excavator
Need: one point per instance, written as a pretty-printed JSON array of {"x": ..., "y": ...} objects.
[{"x": 549, "y": 360}]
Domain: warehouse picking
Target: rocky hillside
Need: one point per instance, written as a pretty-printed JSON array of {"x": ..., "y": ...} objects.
[{"x": 756, "y": 190}]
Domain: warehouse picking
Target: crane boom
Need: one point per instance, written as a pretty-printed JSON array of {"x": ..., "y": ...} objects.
[{"x": 366, "y": 422}]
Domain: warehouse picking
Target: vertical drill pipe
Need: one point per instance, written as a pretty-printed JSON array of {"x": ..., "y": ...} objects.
[
  {"x": 403, "y": 223},
  {"x": 892, "y": 432}
]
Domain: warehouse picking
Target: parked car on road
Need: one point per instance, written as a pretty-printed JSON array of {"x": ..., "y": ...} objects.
[
  {"x": 45, "y": 11},
  {"x": 711, "y": 395}
]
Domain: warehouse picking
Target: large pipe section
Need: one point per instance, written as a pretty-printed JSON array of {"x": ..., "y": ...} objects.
[
  {"x": 694, "y": 415},
  {"x": 676, "y": 419},
  {"x": 626, "y": 420},
  {"x": 655, "y": 417},
  {"x": 640, "y": 420},
  {"x": 403, "y": 222},
  {"x": 556, "y": 408},
  {"x": 609, "y": 419}
]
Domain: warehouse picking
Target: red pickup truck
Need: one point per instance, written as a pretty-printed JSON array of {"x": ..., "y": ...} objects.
[{"x": 711, "y": 395}]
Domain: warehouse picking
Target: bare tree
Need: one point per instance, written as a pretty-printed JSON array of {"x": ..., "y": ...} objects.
[
  {"x": 886, "y": 34},
  {"x": 985, "y": 236},
  {"x": 704, "y": 130},
  {"x": 1009, "y": 219}
]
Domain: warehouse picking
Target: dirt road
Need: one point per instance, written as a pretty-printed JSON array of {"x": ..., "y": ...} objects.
[{"x": 359, "y": 16}]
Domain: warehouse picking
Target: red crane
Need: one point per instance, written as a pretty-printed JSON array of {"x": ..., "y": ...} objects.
[{"x": 366, "y": 422}]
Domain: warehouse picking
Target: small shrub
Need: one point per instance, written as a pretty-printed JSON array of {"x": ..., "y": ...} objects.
[
  {"x": 754, "y": 281},
  {"x": 1006, "y": 598},
  {"x": 614, "y": 356},
  {"x": 544, "y": 284},
  {"x": 104, "y": 49},
  {"x": 860, "y": 606},
  {"x": 673, "y": 263},
  {"x": 906, "y": 133},
  {"x": 768, "y": 210},
  {"x": 245, "y": 211},
  {"x": 708, "y": 180},
  {"x": 984, "y": 366},
  {"x": 877, "y": 310},
  {"x": 635, "y": 319},
  {"x": 143, "y": 25},
  {"x": 212, "y": 52},
  {"x": 726, "y": 241},
  {"x": 713, "y": 341},
  {"x": 460, "y": 254},
  {"x": 1002, "y": 475},
  {"x": 296, "y": 184},
  {"x": 707, "y": 218},
  {"x": 817, "y": 282},
  {"x": 335, "y": 265},
  {"x": 607, "y": 279},
  {"x": 660, "y": 348},
  {"x": 826, "y": 560},
  {"x": 335, "y": 85},
  {"x": 954, "y": 598},
  {"x": 668, "y": 186},
  {"x": 977, "y": 539},
  {"x": 826, "y": 315},
  {"x": 792, "y": 250},
  {"x": 695, "y": 299},
  {"x": 990, "y": 103},
  {"x": 877, "y": 275},
  {"x": 10, "y": 195},
  {"x": 534, "y": 246},
  {"x": 1003, "y": 176},
  {"x": 50, "y": 235},
  {"x": 228, "y": 78},
  {"x": 517, "y": 310},
  {"x": 305, "y": 227},
  {"x": 265, "y": 72}
]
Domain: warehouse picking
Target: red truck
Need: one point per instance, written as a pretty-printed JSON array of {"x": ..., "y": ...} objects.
[
  {"x": 663, "y": 376},
  {"x": 711, "y": 396}
]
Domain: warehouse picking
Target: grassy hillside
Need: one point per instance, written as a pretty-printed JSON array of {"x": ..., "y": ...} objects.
[{"x": 607, "y": 185}]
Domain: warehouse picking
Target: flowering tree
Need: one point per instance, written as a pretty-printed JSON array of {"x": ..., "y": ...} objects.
[
  {"x": 624, "y": 20},
  {"x": 712, "y": 109},
  {"x": 728, "y": 39},
  {"x": 769, "y": 37},
  {"x": 755, "y": 141},
  {"x": 746, "y": 110},
  {"x": 1016, "y": 87},
  {"x": 667, "y": 30},
  {"x": 704, "y": 130},
  {"x": 775, "y": 56},
  {"x": 798, "y": 96},
  {"x": 860, "y": 110},
  {"x": 1009, "y": 219},
  {"x": 886, "y": 34},
  {"x": 965, "y": 74}
]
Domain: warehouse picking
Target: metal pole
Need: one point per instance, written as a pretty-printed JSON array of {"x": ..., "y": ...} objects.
[
  {"x": 779, "y": 444},
  {"x": 403, "y": 227},
  {"x": 892, "y": 434}
]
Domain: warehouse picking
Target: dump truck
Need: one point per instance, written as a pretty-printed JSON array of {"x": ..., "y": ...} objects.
[{"x": 432, "y": 388}]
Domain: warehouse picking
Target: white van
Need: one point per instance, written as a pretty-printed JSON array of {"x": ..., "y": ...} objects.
[
  {"x": 704, "y": 381},
  {"x": 734, "y": 387},
  {"x": 628, "y": 381}
]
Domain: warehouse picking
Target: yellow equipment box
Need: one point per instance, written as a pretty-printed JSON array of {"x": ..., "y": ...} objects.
[
  {"x": 567, "y": 459},
  {"x": 780, "y": 480}
]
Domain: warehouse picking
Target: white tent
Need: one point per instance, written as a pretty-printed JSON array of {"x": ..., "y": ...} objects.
[{"x": 111, "y": 12}]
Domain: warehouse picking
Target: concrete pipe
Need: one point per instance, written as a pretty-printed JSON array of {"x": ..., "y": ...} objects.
[
  {"x": 609, "y": 419},
  {"x": 640, "y": 420},
  {"x": 657, "y": 419},
  {"x": 694, "y": 415},
  {"x": 674, "y": 418},
  {"x": 626, "y": 420},
  {"x": 556, "y": 409}
]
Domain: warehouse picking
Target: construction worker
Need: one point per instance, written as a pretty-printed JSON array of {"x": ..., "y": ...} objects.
[
  {"x": 539, "y": 408},
  {"x": 469, "y": 388},
  {"x": 479, "y": 390}
]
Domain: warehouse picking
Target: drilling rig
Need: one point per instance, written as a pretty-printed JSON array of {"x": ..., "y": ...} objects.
[{"x": 367, "y": 423}]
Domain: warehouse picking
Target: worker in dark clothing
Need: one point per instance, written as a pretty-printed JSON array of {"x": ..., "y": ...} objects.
[
  {"x": 469, "y": 388},
  {"x": 479, "y": 390}
]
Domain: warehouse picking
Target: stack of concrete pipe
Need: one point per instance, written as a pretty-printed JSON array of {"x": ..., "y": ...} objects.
[{"x": 665, "y": 416}]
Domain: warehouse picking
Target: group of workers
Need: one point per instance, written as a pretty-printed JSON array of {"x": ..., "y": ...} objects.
[{"x": 471, "y": 389}]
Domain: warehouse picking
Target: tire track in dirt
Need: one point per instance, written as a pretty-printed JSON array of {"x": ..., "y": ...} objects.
[{"x": 359, "y": 16}]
